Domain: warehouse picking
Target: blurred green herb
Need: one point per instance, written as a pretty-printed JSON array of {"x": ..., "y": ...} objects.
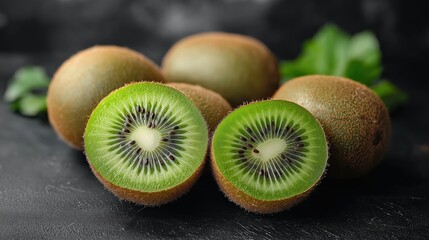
[
  {"x": 390, "y": 94},
  {"x": 333, "y": 52},
  {"x": 26, "y": 91}
]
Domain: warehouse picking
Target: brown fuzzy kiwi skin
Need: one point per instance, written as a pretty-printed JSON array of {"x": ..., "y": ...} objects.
[
  {"x": 150, "y": 198},
  {"x": 238, "y": 67},
  {"x": 355, "y": 120},
  {"x": 211, "y": 104},
  {"x": 250, "y": 203},
  {"x": 85, "y": 78}
]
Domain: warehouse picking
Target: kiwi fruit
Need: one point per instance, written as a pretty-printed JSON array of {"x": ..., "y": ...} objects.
[
  {"x": 267, "y": 156},
  {"x": 355, "y": 120},
  {"x": 85, "y": 78},
  {"x": 212, "y": 105},
  {"x": 239, "y": 68},
  {"x": 146, "y": 142}
]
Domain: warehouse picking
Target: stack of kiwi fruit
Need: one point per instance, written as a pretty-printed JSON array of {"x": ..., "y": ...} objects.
[{"x": 148, "y": 132}]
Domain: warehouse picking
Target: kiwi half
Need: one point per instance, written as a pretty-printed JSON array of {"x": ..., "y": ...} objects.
[
  {"x": 85, "y": 78},
  {"x": 146, "y": 142},
  {"x": 212, "y": 105},
  {"x": 267, "y": 156},
  {"x": 355, "y": 120},
  {"x": 238, "y": 67}
]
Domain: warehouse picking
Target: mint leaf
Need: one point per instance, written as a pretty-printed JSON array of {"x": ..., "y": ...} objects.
[
  {"x": 31, "y": 105},
  {"x": 391, "y": 95},
  {"x": 21, "y": 91},
  {"x": 333, "y": 52},
  {"x": 363, "y": 58}
]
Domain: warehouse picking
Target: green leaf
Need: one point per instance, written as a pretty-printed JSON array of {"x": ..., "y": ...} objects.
[
  {"x": 25, "y": 80},
  {"x": 26, "y": 92},
  {"x": 391, "y": 95},
  {"x": 31, "y": 105},
  {"x": 334, "y": 52}
]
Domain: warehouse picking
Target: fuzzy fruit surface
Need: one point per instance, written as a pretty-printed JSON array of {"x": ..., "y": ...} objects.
[
  {"x": 355, "y": 120},
  {"x": 85, "y": 78},
  {"x": 240, "y": 68},
  {"x": 211, "y": 104}
]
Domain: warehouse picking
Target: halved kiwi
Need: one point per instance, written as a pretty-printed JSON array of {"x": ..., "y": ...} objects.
[
  {"x": 146, "y": 142},
  {"x": 86, "y": 78},
  {"x": 267, "y": 156}
]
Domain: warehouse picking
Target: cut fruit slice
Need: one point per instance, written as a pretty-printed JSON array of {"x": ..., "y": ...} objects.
[
  {"x": 146, "y": 142},
  {"x": 268, "y": 155}
]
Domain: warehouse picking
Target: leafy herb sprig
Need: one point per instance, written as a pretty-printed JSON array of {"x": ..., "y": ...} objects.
[
  {"x": 333, "y": 52},
  {"x": 26, "y": 92}
]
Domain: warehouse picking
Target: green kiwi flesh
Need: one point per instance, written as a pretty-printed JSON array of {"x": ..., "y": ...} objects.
[
  {"x": 146, "y": 142},
  {"x": 87, "y": 77},
  {"x": 267, "y": 156},
  {"x": 355, "y": 120},
  {"x": 238, "y": 67}
]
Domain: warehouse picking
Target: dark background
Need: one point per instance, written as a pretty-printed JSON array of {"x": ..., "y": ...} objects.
[{"x": 48, "y": 191}]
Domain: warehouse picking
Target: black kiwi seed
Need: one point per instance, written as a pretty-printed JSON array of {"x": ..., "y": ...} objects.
[
  {"x": 249, "y": 130},
  {"x": 297, "y": 139},
  {"x": 300, "y": 144},
  {"x": 243, "y": 138},
  {"x": 255, "y": 150},
  {"x": 125, "y": 130},
  {"x": 250, "y": 145},
  {"x": 132, "y": 142},
  {"x": 140, "y": 109},
  {"x": 240, "y": 152},
  {"x": 176, "y": 127},
  {"x": 172, "y": 133}
]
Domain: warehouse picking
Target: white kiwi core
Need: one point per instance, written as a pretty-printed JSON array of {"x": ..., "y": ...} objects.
[
  {"x": 148, "y": 139},
  {"x": 269, "y": 149}
]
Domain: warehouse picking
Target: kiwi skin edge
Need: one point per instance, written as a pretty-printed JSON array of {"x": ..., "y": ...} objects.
[
  {"x": 151, "y": 198},
  {"x": 250, "y": 203}
]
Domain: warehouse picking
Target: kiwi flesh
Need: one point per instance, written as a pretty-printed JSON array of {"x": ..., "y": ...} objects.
[
  {"x": 85, "y": 78},
  {"x": 355, "y": 120},
  {"x": 146, "y": 142},
  {"x": 238, "y": 67},
  {"x": 268, "y": 156},
  {"x": 211, "y": 104}
]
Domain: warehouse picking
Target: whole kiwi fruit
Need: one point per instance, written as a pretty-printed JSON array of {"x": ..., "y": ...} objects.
[
  {"x": 268, "y": 156},
  {"x": 85, "y": 78},
  {"x": 238, "y": 67},
  {"x": 355, "y": 120},
  {"x": 146, "y": 142},
  {"x": 212, "y": 105}
]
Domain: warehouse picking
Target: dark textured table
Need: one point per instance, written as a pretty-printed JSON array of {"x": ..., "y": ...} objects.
[{"x": 48, "y": 191}]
